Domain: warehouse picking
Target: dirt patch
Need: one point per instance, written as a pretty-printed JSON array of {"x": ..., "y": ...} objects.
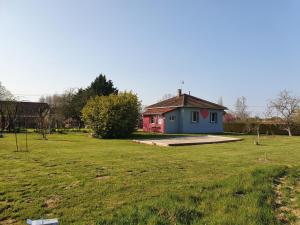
[
  {"x": 296, "y": 210},
  {"x": 52, "y": 202},
  {"x": 287, "y": 210},
  {"x": 102, "y": 177},
  {"x": 239, "y": 194},
  {"x": 8, "y": 221},
  {"x": 72, "y": 185}
]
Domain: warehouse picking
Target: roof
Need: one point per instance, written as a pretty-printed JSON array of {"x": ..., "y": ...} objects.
[
  {"x": 158, "y": 111},
  {"x": 183, "y": 100}
]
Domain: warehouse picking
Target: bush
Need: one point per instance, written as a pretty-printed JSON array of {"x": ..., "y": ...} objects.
[
  {"x": 114, "y": 116},
  {"x": 264, "y": 128}
]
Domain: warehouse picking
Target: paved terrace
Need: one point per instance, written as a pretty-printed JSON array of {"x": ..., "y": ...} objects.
[{"x": 188, "y": 140}]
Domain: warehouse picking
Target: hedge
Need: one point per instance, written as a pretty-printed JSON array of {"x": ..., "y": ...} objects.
[{"x": 250, "y": 128}]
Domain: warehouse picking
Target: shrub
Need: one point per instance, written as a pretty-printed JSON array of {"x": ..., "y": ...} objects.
[
  {"x": 265, "y": 128},
  {"x": 114, "y": 116}
]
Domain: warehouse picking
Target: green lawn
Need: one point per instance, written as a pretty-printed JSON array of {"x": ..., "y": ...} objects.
[{"x": 82, "y": 180}]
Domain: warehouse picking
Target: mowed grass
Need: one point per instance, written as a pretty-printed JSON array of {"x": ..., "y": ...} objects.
[{"x": 82, "y": 180}]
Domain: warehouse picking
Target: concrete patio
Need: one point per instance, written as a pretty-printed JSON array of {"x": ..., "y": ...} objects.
[{"x": 188, "y": 140}]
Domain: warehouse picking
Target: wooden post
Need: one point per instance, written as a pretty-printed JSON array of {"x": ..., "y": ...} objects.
[
  {"x": 16, "y": 137},
  {"x": 26, "y": 135}
]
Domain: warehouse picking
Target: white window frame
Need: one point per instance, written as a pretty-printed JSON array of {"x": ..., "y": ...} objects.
[
  {"x": 215, "y": 117},
  {"x": 152, "y": 118},
  {"x": 160, "y": 120},
  {"x": 197, "y": 117}
]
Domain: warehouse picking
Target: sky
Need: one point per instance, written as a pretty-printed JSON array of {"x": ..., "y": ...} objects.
[{"x": 218, "y": 48}]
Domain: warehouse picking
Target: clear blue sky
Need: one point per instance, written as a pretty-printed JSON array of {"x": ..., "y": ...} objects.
[{"x": 219, "y": 48}]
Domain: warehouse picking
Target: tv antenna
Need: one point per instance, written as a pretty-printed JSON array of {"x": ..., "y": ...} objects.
[{"x": 181, "y": 84}]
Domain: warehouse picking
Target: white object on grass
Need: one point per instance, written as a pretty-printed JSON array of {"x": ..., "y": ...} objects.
[{"x": 43, "y": 222}]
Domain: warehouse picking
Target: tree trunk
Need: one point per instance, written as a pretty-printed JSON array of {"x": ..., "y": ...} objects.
[{"x": 289, "y": 131}]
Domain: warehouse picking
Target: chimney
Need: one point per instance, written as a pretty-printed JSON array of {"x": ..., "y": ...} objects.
[{"x": 179, "y": 92}]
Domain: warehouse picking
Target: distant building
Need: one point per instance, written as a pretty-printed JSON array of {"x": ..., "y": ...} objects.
[
  {"x": 21, "y": 114},
  {"x": 184, "y": 114}
]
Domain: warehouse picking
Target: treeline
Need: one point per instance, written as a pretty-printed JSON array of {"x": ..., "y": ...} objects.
[
  {"x": 264, "y": 128},
  {"x": 100, "y": 107},
  {"x": 282, "y": 116},
  {"x": 66, "y": 108}
]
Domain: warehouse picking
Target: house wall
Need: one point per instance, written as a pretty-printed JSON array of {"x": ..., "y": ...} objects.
[
  {"x": 157, "y": 126},
  {"x": 203, "y": 125},
  {"x": 172, "y": 126},
  {"x": 183, "y": 122}
]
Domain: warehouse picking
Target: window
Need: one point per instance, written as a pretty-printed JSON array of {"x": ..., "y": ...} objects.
[
  {"x": 213, "y": 117},
  {"x": 195, "y": 117},
  {"x": 172, "y": 118},
  {"x": 160, "y": 120},
  {"x": 152, "y": 119}
]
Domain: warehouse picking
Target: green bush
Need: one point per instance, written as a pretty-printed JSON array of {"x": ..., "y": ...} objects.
[
  {"x": 250, "y": 128},
  {"x": 114, "y": 116}
]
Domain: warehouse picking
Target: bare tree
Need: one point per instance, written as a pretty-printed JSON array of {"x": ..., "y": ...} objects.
[
  {"x": 241, "y": 108},
  {"x": 285, "y": 106},
  {"x": 5, "y": 94},
  {"x": 43, "y": 112},
  {"x": 7, "y": 107},
  {"x": 165, "y": 97},
  {"x": 57, "y": 105}
]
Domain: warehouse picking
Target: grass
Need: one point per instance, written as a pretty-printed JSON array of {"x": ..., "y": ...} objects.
[{"x": 82, "y": 180}]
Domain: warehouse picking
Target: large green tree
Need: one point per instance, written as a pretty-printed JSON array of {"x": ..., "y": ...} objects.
[
  {"x": 101, "y": 86},
  {"x": 113, "y": 116},
  {"x": 68, "y": 106}
]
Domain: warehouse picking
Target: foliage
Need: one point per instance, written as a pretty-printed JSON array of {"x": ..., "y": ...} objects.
[
  {"x": 83, "y": 180},
  {"x": 229, "y": 117},
  {"x": 99, "y": 87},
  {"x": 113, "y": 116},
  {"x": 285, "y": 106},
  {"x": 7, "y": 109},
  {"x": 5, "y": 95},
  {"x": 264, "y": 128},
  {"x": 241, "y": 108},
  {"x": 67, "y": 106},
  {"x": 165, "y": 97}
]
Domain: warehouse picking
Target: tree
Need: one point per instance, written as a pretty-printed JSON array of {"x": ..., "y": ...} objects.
[
  {"x": 99, "y": 87},
  {"x": 166, "y": 96},
  {"x": 285, "y": 106},
  {"x": 5, "y": 94},
  {"x": 241, "y": 108},
  {"x": 43, "y": 112},
  {"x": 7, "y": 108},
  {"x": 56, "y": 104},
  {"x": 67, "y": 106},
  {"x": 113, "y": 116}
]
